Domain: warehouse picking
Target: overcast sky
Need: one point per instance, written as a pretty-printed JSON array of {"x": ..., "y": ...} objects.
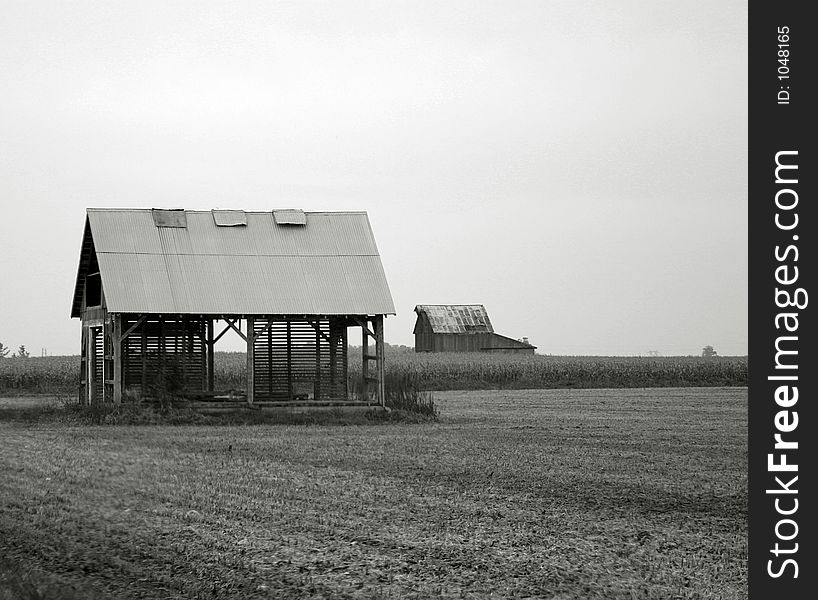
[{"x": 580, "y": 168}]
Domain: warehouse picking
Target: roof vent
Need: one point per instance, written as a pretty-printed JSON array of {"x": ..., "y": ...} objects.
[
  {"x": 229, "y": 218},
  {"x": 163, "y": 217},
  {"x": 291, "y": 216}
]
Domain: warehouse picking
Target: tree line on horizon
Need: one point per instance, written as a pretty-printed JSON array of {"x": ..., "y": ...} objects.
[{"x": 21, "y": 352}]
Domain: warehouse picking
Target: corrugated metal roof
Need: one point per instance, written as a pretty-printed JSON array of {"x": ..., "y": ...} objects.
[
  {"x": 329, "y": 266},
  {"x": 456, "y": 318},
  {"x": 326, "y": 233}
]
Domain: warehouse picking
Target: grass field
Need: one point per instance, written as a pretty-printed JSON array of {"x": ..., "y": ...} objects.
[{"x": 637, "y": 493}]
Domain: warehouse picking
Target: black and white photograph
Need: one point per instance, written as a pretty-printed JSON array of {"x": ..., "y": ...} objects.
[{"x": 399, "y": 299}]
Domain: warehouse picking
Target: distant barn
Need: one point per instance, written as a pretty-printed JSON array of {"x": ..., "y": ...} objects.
[
  {"x": 461, "y": 328},
  {"x": 156, "y": 289}
]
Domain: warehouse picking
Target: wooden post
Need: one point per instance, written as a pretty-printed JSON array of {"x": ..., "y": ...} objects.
[
  {"x": 83, "y": 370},
  {"x": 365, "y": 361},
  {"x": 117, "y": 318},
  {"x": 91, "y": 359},
  {"x": 317, "y": 386},
  {"x": 345, "y": 360},
  {"x": 209, "y": 367},
  {"x": 105, "y": 331},
  {"x": 269, "y": 334},
  {"x": 250, "y": 360},
  {"x": 161, "y": 363},
  {"x": 175, "y": 333},
  {"x": 333, "y": 341},
  {"x": 143, "y": 388},
  {"x": 183, "y": 358},
  {"x": 201, "y": 330},
  {"x": 289, "y": 360},
  {"x": 377, "y": 322},
  {"x": 86, "y": 398}
]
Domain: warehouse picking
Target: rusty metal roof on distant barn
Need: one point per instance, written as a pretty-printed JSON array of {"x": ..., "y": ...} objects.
[
  {"x": 456, "y": 318},
  {"x": 216, "y": 262}
]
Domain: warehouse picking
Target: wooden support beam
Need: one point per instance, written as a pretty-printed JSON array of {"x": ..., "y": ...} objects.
[
  {"x": 231, "y": 325},
  {"x": 289, "y": 360},
  {"x": 270, "y": 360},
  {"x": 83, "y": 397},
  {"x": 90, "y": 360},
  {"x": 218, "y": 337},
  {"x": 237, "y": 329},
  {"x": 227, "y": 406},
  {"x": 344, "y": 360},
  {"x": 143, "y": 386},
  {"x": 332, "y": 357},
  {"x": 175, "y": 333},
  {"x": 364, "y": 361},
  {"x": 183, "y": 359},
  {"x": 317, "y": 385},
  {"x": 80, "y": 388},
  {"x": 364, "y": 325},
  {"x": 209, "y": 367},
  {"x": 379, "y": 352},
  {"x": 201, "y": 333},
  {"x": 106, "y": 334},
  {"x": 317, "y": 327},
  {"x": 116, "y": 339},
  {"x": 161, "y": 361},
  {"x": 262, "y": 331},
  {"x": 250, "y": 360},
  {"x": 133, "y": 327}
]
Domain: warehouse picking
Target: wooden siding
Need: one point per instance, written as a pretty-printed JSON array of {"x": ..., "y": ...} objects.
[
  {"x": 427, "y": 341},
  {"x": 164, "y": 350},
  {"x": 424, "y": 337},
  {"x": 468, "y": 342},
  {"x": 299, "y": 359}
]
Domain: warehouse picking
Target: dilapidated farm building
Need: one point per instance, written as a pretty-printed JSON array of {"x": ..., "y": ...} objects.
[
  {"x": 156, "y": 289},
  {"x": 461, "y": 328}
]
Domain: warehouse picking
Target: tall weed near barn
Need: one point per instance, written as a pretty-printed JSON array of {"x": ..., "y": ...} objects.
[{"x": 404, "y": 394}]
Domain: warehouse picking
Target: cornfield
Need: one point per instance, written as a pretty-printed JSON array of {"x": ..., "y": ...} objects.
[
  {"x": 508, "y": 371},
  {"x": 44, "y": 375},
  {"x": 60, "y": 374}
]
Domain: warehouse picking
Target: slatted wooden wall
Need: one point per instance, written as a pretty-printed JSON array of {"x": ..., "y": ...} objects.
[
  {"x": 98, "y": 364},
  {"x": 169, "y": 348},
  {"x": 83, "y": 395},
  {"x": 299, "y": 360},
  {"x": 108, "y": 363}
]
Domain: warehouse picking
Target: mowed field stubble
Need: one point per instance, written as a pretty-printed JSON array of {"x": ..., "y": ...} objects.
[{"x": 594, "y": 493}]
